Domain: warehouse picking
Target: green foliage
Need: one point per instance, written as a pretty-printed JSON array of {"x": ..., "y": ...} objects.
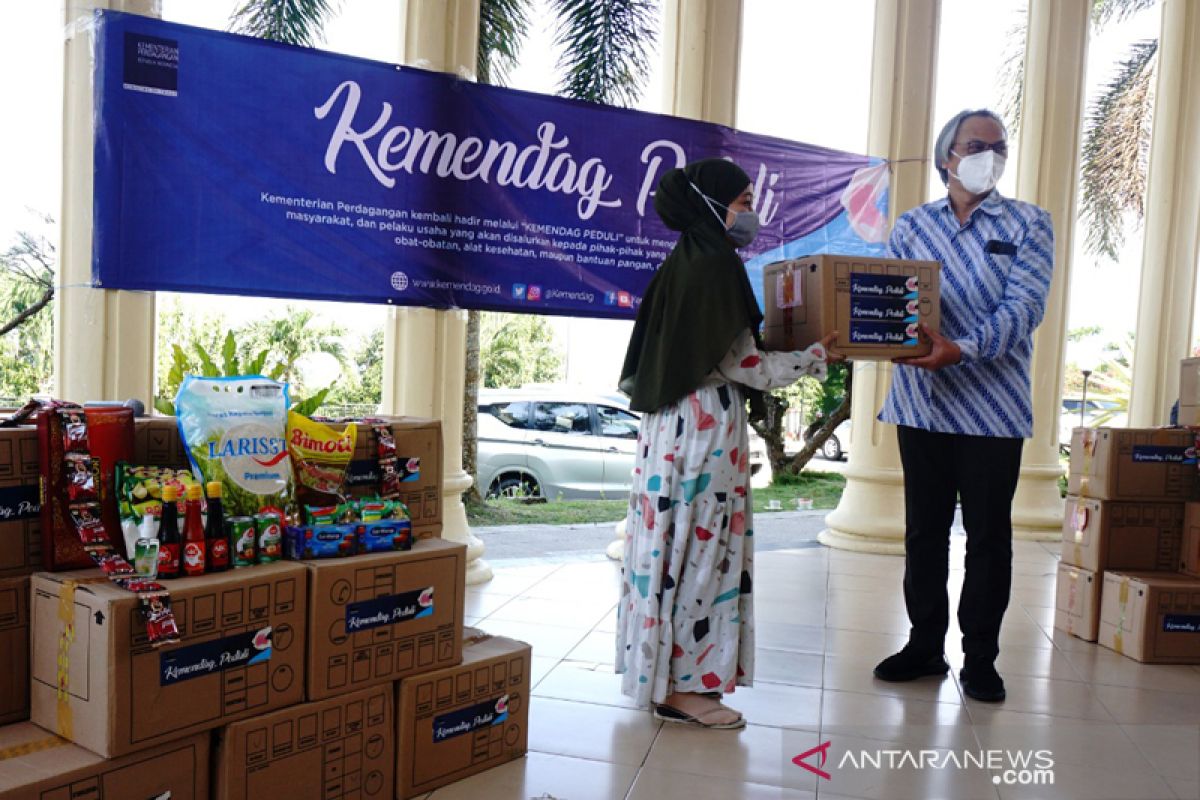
[
  {"x": 363, "y": 383},
  {"x": 606, "y": 46},
  {"x": 27, "y": 271},
  {"x": 1106, "y": 11},
  {"x": 187, "y": 344},
  {"x": 824, "y": 488},
  {"x": 1116, "y": 148},
  {"x": 517, "y": 349},
  {"x": 296, "y": 22},
  {"x": 502, "y": 26}
]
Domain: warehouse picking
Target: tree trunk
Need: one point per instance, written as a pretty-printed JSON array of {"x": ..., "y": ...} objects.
[
  {"x": 470, "y": 450},
  {"x": 770, "y": 427},
  {"x": 16, "y": 321},
  {"x": 818, "y": 439}
]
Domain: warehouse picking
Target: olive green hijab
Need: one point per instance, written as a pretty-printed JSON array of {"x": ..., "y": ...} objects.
[{"x": 700, "y": 299}]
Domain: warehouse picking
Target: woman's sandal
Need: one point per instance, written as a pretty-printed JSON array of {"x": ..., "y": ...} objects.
[{"x": 671, "y": 714}]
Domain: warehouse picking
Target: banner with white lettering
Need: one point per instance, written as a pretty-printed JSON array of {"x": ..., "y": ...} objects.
[{"x": 231, "y": 165}]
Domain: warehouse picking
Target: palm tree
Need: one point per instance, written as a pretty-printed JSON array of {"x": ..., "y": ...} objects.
[{"x": 1117, "y": 131}]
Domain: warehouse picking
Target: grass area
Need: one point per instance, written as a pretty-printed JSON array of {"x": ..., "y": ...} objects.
[
  {"x": 825, "y": 488},
  {"x": 560, "y": 512}
]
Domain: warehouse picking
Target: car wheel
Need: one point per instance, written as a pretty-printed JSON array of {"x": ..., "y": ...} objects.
[
  {"x": 832, "y": 449},
  {"x": 514, "y": 486}
]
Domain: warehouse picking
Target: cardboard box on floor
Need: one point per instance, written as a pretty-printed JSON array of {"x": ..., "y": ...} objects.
[
  {"x": 1189, "y": 392},
  {"x": 1100, "y": 535},
  {"x": 124, "y": 695},
  {"x": 14, "y": 649},
  {"x": 1156, "y": 464},
  {"x": 20, "y": 502},
  {"x": 1077, "y": 602},
  {"x": 1189, "y": 549},
  {"x": 343, "y": 747},
  {"x": 43, "y": 766},
  {"x": 1152, "y": 617},
  {"x": 875, "y": 304},
  {"x": 462, "y": 720},
  {"x": 378, "y": 618}
]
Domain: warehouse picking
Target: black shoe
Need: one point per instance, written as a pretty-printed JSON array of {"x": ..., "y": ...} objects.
[
  {"x": 909, "y": 664},
  {"x": 981, "y": 681}
]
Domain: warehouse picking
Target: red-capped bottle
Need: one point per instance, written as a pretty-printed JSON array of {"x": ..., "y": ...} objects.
[
  {"x": 194, "y": 546},
  {"x": 170, "y": 543},
  {"x": 214, "y": 531}
]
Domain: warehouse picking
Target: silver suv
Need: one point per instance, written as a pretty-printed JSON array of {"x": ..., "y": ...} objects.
[{"x": 561, "y": 443}]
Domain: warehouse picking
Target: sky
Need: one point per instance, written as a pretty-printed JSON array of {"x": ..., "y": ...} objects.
[{"x": 804, "y": 76}]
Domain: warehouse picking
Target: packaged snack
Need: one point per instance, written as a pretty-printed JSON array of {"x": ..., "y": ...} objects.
[
  {"x": 384, "y": 536},
  {"x": 321, "y": 541},
  {"x": 235, "y": 431},
  {"x": 139, "y": 490},
  {"x": 320, "y": 456}
]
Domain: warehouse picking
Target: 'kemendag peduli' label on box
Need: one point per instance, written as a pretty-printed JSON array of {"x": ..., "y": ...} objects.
[
  {"x": 1160, "y": 454},
  {"x": 467, "y": 720},
  {"x": 218, "y": 655},
  {"x": 389, "y": 610}
]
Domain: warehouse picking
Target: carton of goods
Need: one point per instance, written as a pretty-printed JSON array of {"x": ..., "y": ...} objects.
[
  {"x": 1134, "y": 464},
  {"x": 1077, "y": 602},
  {"x": 462, "y": 720},
  {"x": 1189, "y": 550},
  {"x": 1189, "y": 392},
  {"x": 98, "y": 680},
  {"x": 343, "y": 747},
  {"x": 1152, "y": 617},
  {"x": 1100, "y": 535},
  {"x": 377, "y": 618},
  {"x": 875, "y": 304},
  {"x": 14, "y": 649},
  {"x": 37, "y": 765},
  {"x": 20, "y": 502}
]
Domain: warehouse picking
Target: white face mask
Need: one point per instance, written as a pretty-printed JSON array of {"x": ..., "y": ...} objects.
[{"x": 979, "y": 173}]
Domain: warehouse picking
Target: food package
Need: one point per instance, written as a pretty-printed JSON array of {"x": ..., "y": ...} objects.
[
  {"x": 320, "y": 457},
  {"x": 234, "y": 430}
]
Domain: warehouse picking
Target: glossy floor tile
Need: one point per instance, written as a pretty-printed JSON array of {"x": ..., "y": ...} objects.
[{"x": 1112, "y": 728}]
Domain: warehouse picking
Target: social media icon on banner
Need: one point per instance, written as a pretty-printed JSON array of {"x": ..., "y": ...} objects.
[
  {"x": 610, "y": 298},
  {"x": 518, "y": 291},
  {"x": 534, "y": 294},
  {"x": 624, "y": 299}
]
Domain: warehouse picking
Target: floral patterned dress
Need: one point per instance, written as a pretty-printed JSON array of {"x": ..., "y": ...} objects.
[{"x": 685, "y": 619}]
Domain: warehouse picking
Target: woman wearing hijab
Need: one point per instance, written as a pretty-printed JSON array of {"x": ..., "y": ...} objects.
[{"x": 685, "y": 619}]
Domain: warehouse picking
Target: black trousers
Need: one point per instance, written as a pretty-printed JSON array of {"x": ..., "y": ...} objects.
[{"x": 939, "y": 470}]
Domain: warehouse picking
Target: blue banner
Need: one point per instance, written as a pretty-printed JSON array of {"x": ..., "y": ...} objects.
[{"x": 227, "y": 164}]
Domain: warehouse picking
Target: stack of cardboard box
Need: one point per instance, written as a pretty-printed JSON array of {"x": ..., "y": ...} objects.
[
  {"x": 343, "y": 678},
  {"x": 1121, "y": 580}
]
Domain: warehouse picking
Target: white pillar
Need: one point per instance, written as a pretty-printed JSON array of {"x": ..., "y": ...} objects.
[
  {"x": 1172, "y": 232},
  {"x": 103, "y": 340},
  {"x": 870, "y": 515},
  {"x": 424, "y": 351},
  {"x": 1047, "y": 175},
  {"x": 702, "y": 42}
]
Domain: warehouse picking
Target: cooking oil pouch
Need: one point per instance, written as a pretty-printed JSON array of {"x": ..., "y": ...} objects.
[{"x": 234, "y": 430}]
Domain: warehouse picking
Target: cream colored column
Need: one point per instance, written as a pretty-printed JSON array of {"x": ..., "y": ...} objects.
[
  {"x": 870, "y": 516},
  {"x": 424, "y": 351},
  {"x": 1047, "y": 175},
  {"x": 702, "y": 42},
  {"x": 1172, "y": 233},
  {"x": 103, "y": 340}
]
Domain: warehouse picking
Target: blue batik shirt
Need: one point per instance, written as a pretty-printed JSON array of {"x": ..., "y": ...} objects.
[{"x": 996, "y": 273}]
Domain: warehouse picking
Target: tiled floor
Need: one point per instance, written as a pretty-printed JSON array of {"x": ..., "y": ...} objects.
[{"x": 1114, "y": 728}]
